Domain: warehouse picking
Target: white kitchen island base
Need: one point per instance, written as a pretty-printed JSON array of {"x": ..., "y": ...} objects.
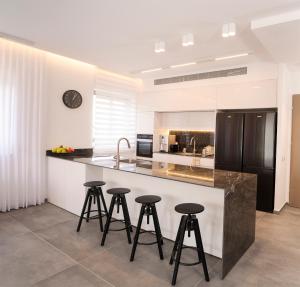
[{"x": 65, "y": 189}]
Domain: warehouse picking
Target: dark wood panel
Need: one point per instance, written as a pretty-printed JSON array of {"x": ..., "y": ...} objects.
[{"x": 229, "y": 141}]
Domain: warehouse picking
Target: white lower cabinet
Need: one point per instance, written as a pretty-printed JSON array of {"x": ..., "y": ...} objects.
[
  {"x": 184, "y": 160},
  {"x": 65, "y": 184}
]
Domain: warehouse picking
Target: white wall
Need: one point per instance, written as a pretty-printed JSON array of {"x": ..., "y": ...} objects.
[
  {"x": 69, "y": 126},
  {"x": 73, "y": 127}
]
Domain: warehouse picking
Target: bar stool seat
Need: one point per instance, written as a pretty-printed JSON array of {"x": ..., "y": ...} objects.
[
  {"x": 148, "y": 199},
  {"x": 189, "y": 208},
  {"x": 94, "y": 183},
  {"x": 118, "y": 190}
]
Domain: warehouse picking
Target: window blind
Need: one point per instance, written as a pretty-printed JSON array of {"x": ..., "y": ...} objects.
[{"x": 114, "y": 116}]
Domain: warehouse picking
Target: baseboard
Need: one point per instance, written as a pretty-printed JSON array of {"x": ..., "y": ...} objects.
[{"x": 278, "y": 211}]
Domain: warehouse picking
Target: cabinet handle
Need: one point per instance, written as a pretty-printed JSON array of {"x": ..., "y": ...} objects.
[{"x": 259, "y": 116}]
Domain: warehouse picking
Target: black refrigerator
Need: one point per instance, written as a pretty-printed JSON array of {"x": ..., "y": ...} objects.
[{"x": 246, "y": 142}]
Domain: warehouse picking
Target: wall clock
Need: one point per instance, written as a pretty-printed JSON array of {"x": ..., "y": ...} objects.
[{"x": 72, "y": 99}]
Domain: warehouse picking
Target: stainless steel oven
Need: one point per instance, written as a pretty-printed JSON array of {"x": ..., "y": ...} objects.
[{"x": 144, "y": 145}]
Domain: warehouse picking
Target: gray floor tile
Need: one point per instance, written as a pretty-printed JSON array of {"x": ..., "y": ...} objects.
[
  {"x": 40, "y": 217},
  {"x": 25, "y": 259},
  {"x": 78, "y": 245},
  {"x": 147, "y": 259},
  {"x": 75, "y": 276},
  {"x": 10, "y": 227},
  {"x": 120, "y": 272}
]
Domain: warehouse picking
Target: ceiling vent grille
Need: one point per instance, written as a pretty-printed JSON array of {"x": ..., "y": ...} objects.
[{"x": 202, "y": 76}]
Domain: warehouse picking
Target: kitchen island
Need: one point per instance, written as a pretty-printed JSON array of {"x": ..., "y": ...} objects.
[{"x": 227, "y": 224}]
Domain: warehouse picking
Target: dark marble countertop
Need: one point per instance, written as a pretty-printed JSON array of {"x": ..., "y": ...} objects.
[{"x": 226, "y": 180}]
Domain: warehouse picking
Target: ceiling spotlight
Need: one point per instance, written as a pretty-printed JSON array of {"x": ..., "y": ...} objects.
[
  {"x": 188, "y": 40},
  {"x": 229, "y": 30},
  {"x": 151, "y": 70},
  {"x": 160, "y": 47},
  {"x": 232, "y": 29}
]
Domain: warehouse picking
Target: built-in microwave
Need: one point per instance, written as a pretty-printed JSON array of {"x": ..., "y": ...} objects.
[{"x": 144, "y": 145}]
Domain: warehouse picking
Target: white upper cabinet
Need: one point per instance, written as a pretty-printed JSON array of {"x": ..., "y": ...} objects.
[
  {"x": 145, "y": 122},
  {"x": 259, "y": 94}
]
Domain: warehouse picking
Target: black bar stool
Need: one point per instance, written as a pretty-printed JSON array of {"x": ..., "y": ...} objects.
[
  {"x": 118, "y": 198},
  {"x": 148, "y": 208},
  {"x": 94, "y": 192},
  {"x": 189, "y": 222}
]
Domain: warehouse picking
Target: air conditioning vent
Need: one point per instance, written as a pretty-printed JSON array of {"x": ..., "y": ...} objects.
[{"x": 202, "y": 76}]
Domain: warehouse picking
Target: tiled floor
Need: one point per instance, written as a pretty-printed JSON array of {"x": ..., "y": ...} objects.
[{"x": 40, "y": 247}]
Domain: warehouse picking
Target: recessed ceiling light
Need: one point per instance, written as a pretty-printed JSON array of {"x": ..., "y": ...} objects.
[
  {"x": 151, "y": 70},
  {"x": 231, "y": 56},
  {"x": 188, "y": 40},
  {"x": 228, "y": 30},
  {"x": 160, "y": 47},
  {"x": 183, "y": 65}
]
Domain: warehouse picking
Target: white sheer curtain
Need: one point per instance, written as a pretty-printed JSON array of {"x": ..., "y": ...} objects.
[{"x": 22, "y": 115}]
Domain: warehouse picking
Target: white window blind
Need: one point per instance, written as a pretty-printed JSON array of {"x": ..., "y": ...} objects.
[{"x": 114, "y": 116}]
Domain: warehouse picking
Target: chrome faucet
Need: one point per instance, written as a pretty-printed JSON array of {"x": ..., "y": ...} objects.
[
  {"x": 118, "y": 149},
  {"x": 194, "y": 146}
]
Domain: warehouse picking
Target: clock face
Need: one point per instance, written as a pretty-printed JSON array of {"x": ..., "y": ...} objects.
[{"x": 72, "y": 99}]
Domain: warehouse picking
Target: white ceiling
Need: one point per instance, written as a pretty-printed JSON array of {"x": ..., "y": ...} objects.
[{"x": 119, "y": 35}]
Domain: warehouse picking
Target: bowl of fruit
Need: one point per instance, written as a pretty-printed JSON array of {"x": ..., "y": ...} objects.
[{"x": 63, "y": 150}]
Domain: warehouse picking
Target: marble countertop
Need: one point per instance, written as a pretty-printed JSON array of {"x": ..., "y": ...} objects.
[{"x": 222, "y": 179}]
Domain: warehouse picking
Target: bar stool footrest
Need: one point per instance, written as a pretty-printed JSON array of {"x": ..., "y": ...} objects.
[
  {"x": 118, "y": 220},
  {"x": 148, "y": 243},
  {"x": 190, "y": 264},
  {"x": 94, "y": 216}
]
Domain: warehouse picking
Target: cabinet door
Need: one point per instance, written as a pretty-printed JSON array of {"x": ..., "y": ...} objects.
[
  {"x": 229, "y": 141},
  {"x": 145, "y": 122},
  {"x": 259, "y": 140},
  {"x": 265, "y": 188}
]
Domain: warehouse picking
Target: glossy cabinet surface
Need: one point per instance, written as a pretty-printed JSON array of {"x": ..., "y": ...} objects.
[
  {"x": 259, "y": 140},
  {"x": 229, "y": 141},
  {"x": 246, "y": 141}
]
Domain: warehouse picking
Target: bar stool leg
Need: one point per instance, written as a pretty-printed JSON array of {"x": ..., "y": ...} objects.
[
  {"x": 126, "y": 217},
  {"x": 111, "y": 209},
  {"x": 103, "y": 200},
  {"x": 99, "y": 212},
  {"x": 176, "y": 242},
  {"x": 83, "y": 210},
  {"x": 180, "y": 245},
  {"x": 89, "y": 208},
  {"x": 200, "y": 249},
  {"x": 137, "y": 233},
  {"x": 157, "y": 231},
  {"x": 158, "y": 225},
  {"x": 126, "y": 207}
]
